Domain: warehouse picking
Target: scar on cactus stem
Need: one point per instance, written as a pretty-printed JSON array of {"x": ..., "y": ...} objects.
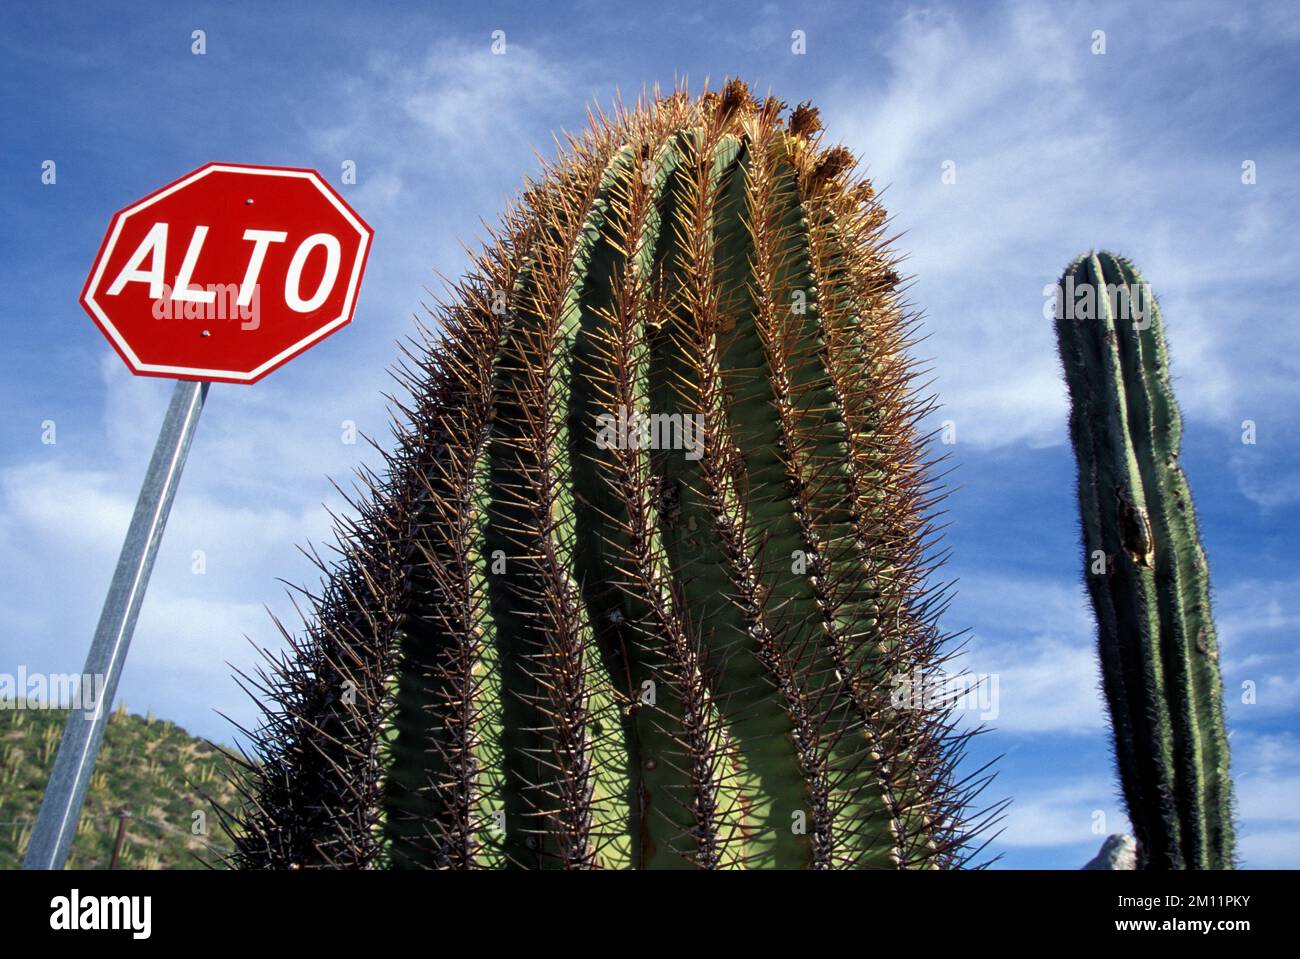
[
  {"x": 1145, "y": 568},
  {"x": 539, "y": 649}
]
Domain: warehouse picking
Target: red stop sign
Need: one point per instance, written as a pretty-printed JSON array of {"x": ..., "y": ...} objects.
[{"x": 227, "y": 273}]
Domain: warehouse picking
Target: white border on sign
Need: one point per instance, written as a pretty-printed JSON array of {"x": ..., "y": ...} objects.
[{"x": 284, "y": 355}]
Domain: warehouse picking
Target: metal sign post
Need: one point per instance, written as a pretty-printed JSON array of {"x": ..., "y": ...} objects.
[
  {"x": 56, "y": 824},
  {"x": 265, "y": 262}
]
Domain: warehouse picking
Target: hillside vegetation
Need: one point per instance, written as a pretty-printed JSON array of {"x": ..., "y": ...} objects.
[{"x": 150, "y": 768}]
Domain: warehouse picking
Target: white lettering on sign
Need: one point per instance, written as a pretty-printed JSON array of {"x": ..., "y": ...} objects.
[
  {"x": 154, "y": 246},
  {"x": 154, "y": 249},
  {"x": 261, "y": 240},
  {"x": 181, "y": 288},
  {"x": 294, "y": 278}
]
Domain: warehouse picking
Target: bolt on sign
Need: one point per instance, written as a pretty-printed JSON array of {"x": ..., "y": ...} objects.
[
  {"x": 227, "y": 273},
  {"x": 223, "y": 275}
]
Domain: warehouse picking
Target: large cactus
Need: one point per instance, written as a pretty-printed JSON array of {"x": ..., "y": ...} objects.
[
  {"x": 1145, "y": 568},
  {"x": 550, "y": 642}
]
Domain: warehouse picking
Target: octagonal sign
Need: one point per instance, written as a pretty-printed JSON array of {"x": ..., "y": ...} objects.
[{"x": 227, "y": 273}]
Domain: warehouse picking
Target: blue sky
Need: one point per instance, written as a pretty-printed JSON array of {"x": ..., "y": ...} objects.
[{"x": 1056, "y": 151}]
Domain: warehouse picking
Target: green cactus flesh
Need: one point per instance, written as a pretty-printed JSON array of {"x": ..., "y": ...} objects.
[
  {"x": 542, "y": 649},
  {"x": 1145, "y": 568}
]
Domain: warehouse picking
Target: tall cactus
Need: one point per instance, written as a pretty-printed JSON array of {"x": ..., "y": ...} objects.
[
  {"x": 1145, "y": 568},
  {"x": 553, "y": 642}
]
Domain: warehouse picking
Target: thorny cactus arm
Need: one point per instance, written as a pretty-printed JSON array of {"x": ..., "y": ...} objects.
[{"x": 1145, "y": 568}]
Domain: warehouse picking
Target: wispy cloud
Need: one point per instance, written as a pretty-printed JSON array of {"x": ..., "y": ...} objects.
[
  {"x": 243, "y": 507},
  {"x": 1269, "y": 478},
  {"x": 1081, "y": 812},
  {"x": 457, "y": 112},
  {"x": 1055, "y": 152},
  {"x": 1257, "y": 621},
  {"x": 1266, "y": 772}
]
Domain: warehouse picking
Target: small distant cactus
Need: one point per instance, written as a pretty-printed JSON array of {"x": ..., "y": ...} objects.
[
  {"x": 1145, "y": 569},
  {"x": 543, "y": 648}
]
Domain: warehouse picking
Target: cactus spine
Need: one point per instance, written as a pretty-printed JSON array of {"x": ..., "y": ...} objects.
[
  {"x": 1145, "y": 568},
  {"x": 566, "y": 651}
]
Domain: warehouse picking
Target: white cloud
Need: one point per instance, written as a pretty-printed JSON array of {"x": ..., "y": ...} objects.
[
  {"x": 1046, "y": 685},
  {"x": 1053, "y": 159},
  {"x": 1271, "y": 799},
  {"x": 1266, "y": 780},
  {"x": 1269, "y": 849},
  {"x": 1036, "y": 636},
  {"x": 1263, "y": 480},
  {"x": 1257, "y": 619},
  {"x": 1050, "y": 813},
  {"x": 188, "y": 639},
  {"x": 1250, "y": 606},
  {"x": 459, "y": 108},
  {"x": 468, "y": 96},
  {"x": 252, "y": 491},
  {"x": 1081, "y": 811}
]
